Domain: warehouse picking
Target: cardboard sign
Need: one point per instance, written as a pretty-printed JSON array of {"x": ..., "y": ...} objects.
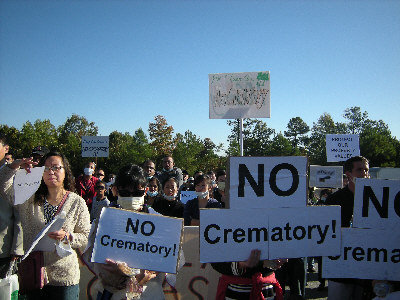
[
  {"x": 365, "y": 254},
  {"x": 278, "y": 233},
  {"x": 239, "y": 95},
  {"x": 95, "y": 146},
  {"x": 26, "y": 184},
  {"x": 267, "y": 182},
  {"x": 143, "y": 241},
  {"x": 377, "y": 204},
  {"x": 187, "y": 195},
  {"x": 326, "y": 176},
  {"x": 341, "y": 147}
]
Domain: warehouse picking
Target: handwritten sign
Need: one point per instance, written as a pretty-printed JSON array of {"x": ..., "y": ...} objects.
[
  {"x": 187, "y": 195},
  {"x": 341, "y": 147},
  {"x": 26, "y": 184},
  {"x": 239, "y": 95},
  {"x": 377, "y": 204},
  {"x": 267, "y": 182},
  {"x": 143, "y": 241},
  {"x": 95, "y": 146},
  {"x": 365, "y": 254},
  {"x": 278, "y": 233},
  {"x": 326, "y": 176}
]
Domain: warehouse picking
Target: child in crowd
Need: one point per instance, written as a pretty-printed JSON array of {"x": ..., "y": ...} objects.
[{"x": 99, "y": 201}]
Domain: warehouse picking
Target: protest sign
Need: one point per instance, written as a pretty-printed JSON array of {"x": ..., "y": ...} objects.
[
  {"x": 377, "y": 204},
  {"x": 26, "y": 184},
  {"x": 304, "y": 231},
  {"x": 365, "y": 254},
  {"x": 239, "y": 95},
  {"x": 341, "y": 147},
  {"x": 278, "y": 233},
  {"x": 267, "y": 182},
  {"x": 187, "y": 195},
  {"x": 143, "y": 241},
  {"x": 95, "y": 146},
  {"x": 326, "y": 176}
]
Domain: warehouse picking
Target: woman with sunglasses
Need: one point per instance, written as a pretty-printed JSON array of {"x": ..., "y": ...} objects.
[
  {"x": 120, "y": 281},
  {"x": 55, "y": 195}
]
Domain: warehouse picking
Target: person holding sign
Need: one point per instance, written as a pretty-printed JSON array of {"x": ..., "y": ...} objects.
[
  {"x": 55, "y": 195},
  {"x": 119, "y": 280},
  {"x": 250, "y": 279},
  {"x": 203, "y": 187},
  {"x": 355, "y": 167}
]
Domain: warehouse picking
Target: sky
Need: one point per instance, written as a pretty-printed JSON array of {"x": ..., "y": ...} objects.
[{"x": 121, "y": 63}]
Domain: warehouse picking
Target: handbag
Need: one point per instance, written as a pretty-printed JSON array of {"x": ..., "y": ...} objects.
[
  {"x": 31, "y": 271},
  {"x": 9, "y": 285}
]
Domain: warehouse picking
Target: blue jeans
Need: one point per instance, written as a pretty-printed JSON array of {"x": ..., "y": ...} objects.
[{"x": 51, "y": 292}]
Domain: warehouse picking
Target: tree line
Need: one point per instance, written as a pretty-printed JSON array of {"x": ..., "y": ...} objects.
[{"x": 193, "y": 153}]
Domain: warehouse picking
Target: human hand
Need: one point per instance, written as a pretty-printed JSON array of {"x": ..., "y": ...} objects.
[
  {"x": 252, "y": 261},
  {"x": 59, "y": 235},
  {"x": 26, "y": 163},
  {"x": 145, "y": 276}
]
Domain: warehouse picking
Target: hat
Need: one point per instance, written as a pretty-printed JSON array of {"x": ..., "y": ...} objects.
[{"x": 40, "y": 150}]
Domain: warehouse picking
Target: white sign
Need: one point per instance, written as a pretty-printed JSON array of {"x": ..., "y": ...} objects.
[
  {"x": 365, "y": 254},
  {"x": 239, "y": 95},
  {"x": 143, "y": 241},
  {"x": 377, "y": 204},
  {"x": 326, "y": 176},
  {"x": 268, "y": 182},
  {"x": 187, "y": 195},
  {"x": 304, "y": 231},
  {"x": 26, "y": 184},
  {"x": 278, "y": 233},
  {"x": 341, "y": 147},
  {"x": 95, "y": 146}
]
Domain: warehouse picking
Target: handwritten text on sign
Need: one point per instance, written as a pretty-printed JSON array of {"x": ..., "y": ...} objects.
[
  {"x": 326, "y": 176},
  {"x": 141, "y": 240},
  {"x": 239, "y": 95},
  {"x": 377, "y": 204},
  {"x": 26, "y": 184},
  {"x": 365, "y": 254},
  {"x": 95, "y": 146},
  {"x": 341, "y": 147},
  {"x": 278, "y": 233},
  {"x": 267, "y": 182}
]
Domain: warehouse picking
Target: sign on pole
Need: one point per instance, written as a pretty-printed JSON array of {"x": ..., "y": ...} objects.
[
  {"x": 267, "y": 182},
  {"x": 341, "y": 147},
  {"x": 95, "y": 146},
  {"x": 326, "y": 176},
  {"x": 239, "y": 95},
  {"x": 143, "y": 241}
]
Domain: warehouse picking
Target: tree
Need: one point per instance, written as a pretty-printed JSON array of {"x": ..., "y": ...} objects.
[
  {"x": 187, "y": 151},
  {"x": 356, "y": 119},
  {"x": 13, "y": 139},
  {"x": 161, "y": 137},
  {"x": 297, "y": 129}
]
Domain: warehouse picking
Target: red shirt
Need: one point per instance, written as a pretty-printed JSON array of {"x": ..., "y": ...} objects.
[{"x": 85, "y": 188}]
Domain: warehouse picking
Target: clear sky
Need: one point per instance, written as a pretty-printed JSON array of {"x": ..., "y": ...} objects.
[{"x": 121, "y": 63}]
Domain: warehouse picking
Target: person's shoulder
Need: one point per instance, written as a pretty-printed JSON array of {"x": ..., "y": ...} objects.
[
  {"x": 337, "y": 196},
  {"x": 75, "y": 197},
  {"x": 213, "y": 203}
]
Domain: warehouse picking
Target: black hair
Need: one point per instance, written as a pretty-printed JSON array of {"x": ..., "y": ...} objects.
[
  {"x": 201, "y": 178},
  {"x": 130, "y": 176},
  {"x": 169, "y": 178},
  {"x": 349, "y": 164},
  {"x": 100, "y": 182},
  {"x": 69, "y": 180},
  {"x": 157, "y": 182},
  {"x": 220, "y": 173}
]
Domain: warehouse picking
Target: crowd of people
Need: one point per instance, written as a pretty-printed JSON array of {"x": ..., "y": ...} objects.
[{"x": 143, "y": 189}]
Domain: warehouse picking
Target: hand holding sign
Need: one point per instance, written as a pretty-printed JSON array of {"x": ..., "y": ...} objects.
[{"x": 26, "y": 184}]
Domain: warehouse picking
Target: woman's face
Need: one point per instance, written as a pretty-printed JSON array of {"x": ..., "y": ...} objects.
[
  {"x": 54, "y": 178},
  {"x": 153, "y": 186},
  {"x": 201, "y": 186},
  {"x": 170, "y": 188}
]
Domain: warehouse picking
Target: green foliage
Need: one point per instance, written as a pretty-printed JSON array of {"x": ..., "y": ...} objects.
[
  {"x": 297, "y": 129},
  {"x": 161, "y": 137}
]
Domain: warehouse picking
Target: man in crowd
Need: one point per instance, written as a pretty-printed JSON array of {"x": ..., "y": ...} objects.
[
  {"x": 170, "y": 171},
  {"x": 10, "y": 225},
  {"x": 38, "y": 152},
  {"x": 85, "y": 184},
  {"x": 9, "y": 158},
  {"x": 355, "y": 167},
  {"x": 149, "y": 169}
]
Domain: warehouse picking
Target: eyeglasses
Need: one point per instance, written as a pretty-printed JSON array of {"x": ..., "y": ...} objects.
[
  {"x": 53, "y": 168},
  {"x": 99, "y": 188},
  {"x": 125, "y": 193}
]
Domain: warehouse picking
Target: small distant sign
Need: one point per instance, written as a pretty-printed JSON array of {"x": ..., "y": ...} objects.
[
  {"x": 239, "y": 95},
  {"x": 326, "y": 176},
  {"x": 95, "y": 146},
  {"x": 341, "y": 147}
]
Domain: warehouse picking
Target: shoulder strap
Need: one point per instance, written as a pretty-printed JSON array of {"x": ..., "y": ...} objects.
[{"x": 62, "y": 203}]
